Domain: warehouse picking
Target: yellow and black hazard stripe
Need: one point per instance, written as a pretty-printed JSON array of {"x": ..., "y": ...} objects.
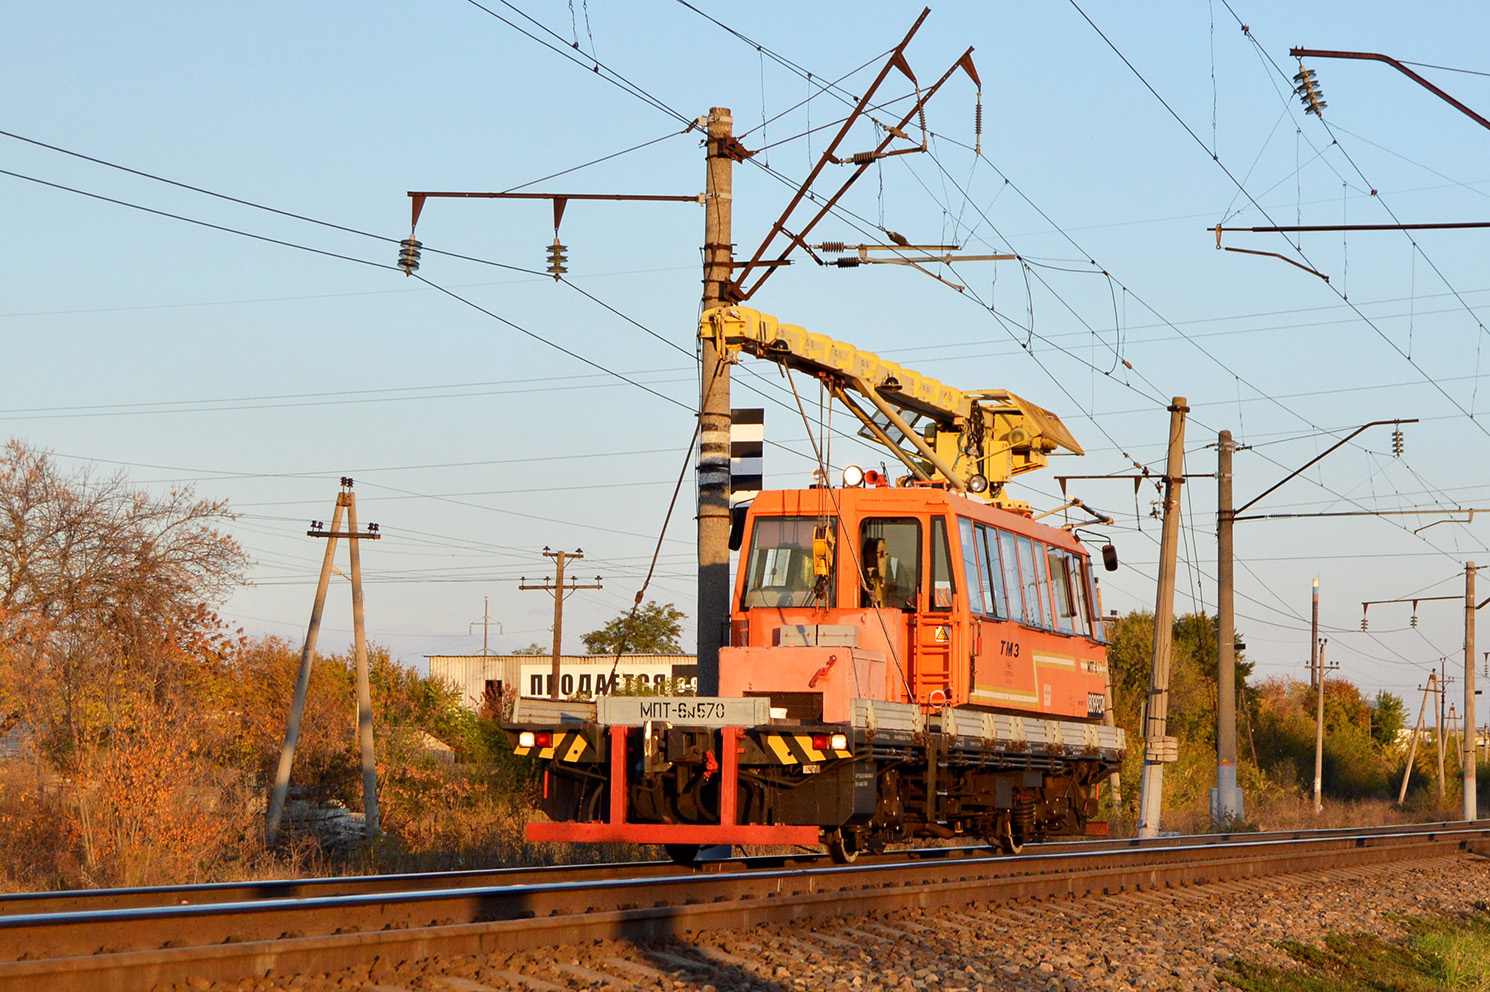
[
  {"x": 567, "y": 745},
  {"x": 797, "y": 749}
]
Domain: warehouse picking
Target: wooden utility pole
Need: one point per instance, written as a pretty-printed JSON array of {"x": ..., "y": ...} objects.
[
  {"x": 364, "y": 688},
  {"x": 346, "y": 503},
  {"x": 1417, "y": 732},
  {"x": 1227, "y": 807},
  {"x": 486, "y": 623},
  {"x": 559, "y": 590},
  {"x": 1158, "y": 746},
  {"x": 714, "y": 402},
  {"x": 1471, "y": 799}
]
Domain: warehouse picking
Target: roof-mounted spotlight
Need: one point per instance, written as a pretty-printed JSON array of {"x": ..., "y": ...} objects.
[
  {"x": 977, "y": 483},
  {"x": 853, "y": 476}
]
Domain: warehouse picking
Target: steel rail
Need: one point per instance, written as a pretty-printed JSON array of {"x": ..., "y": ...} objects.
[
  {"x": 286, "y": 937},
  {"x": 36, "y": 903}
]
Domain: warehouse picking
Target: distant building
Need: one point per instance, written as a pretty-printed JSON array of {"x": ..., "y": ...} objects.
[{"x": 486, "y": 680}]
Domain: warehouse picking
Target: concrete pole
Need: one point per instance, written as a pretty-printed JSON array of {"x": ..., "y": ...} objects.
[
  {"x": 713, "y": 410},
  {"x": 1314, "y": 641},
  {"x": 1412, "y": 751},
  {"x": 1226, "y": 804},
  {"x": 1115, "y": 781},
  {"x": 364, "y": 689},
  {"x": 1318, "y": 717},
  {"x": 1471, "y": 799},
  {"x": 1158, "y": 746},
  {"x": 1443, "y": 693},
  {"x": 302, "y": 684}
]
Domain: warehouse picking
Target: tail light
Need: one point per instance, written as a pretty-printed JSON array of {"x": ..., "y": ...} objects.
[{"x": 543, "y": 738}]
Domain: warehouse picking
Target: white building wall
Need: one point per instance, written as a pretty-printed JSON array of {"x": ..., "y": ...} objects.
[{"x": 528, "y": 675}]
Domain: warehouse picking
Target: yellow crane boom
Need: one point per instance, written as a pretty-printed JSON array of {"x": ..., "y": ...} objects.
[{"x": 974, "y": 442}]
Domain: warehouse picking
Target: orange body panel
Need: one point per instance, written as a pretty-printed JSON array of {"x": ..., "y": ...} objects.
[
  {"x": 940, "y": 647},
  {"x": 839, "y": 674}
]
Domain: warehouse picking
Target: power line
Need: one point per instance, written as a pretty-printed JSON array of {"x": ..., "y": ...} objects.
[
  {"x": 594, "y": 65},
  {"x": 234, "y": 199},
  {"x": 198, "y": 223},
  {"x": 1222, "y": 166},
  {"x": 597, "y": 161},
  {"x": 1335, "y": 142},
  {"x": 1445, "y": 68},
  {"x": 427, "y": 282}
]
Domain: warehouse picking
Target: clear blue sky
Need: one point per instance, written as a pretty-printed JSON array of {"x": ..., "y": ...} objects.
[{"x": 260, "y": 373}]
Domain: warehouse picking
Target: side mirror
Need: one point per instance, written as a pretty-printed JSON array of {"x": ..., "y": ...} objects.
[
  {"x": 1109, "y": 558},
  {"x": 737, "y": 526}
]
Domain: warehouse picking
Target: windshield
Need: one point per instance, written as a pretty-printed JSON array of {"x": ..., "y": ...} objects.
[{"x": 779, "y": 571}]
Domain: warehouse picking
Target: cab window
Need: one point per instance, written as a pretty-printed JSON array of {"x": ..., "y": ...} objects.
[
  {"x": 890, "y": 556},
  {"x": 779, "y": 569},
  {"x": 1081, "y": 620},
  {"x": 942, "y": 589},
  {"x": 993, "y": 574},
  {"x": 1094, "y": 603},
  {"x": 1009, "y": 562},
  {"x": 979, "y": 598},
  {"x": 1060, "y": 583},
  {"x": 1036, "y": 601}
]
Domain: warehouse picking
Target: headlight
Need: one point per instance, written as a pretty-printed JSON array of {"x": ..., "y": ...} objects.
[
  {"x": 838, "y": 742},
  {"x": 977, "y": 483},
  {"x": 526, "y": 739},
  {"x": 853, "y": 476}
]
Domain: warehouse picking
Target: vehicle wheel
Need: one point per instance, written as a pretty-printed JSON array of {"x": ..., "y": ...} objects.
[
  {"x": 1005, "y": 839},
  {"x": 843, "y": 848},
  {"x": 682, "y": 854}
]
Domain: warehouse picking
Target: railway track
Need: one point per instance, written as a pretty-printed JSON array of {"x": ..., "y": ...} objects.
[
  {"x": 36, "y": 903},
  {"x": 134, "y": 939}
]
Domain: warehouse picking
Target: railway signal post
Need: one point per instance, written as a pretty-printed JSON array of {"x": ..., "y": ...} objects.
[{"x": 1158, "y": 746}]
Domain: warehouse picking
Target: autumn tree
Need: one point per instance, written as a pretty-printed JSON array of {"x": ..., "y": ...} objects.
[
  {"x": 654, "y": 629},
  {"x": 1355, "y": 764},
  {"x": 109, "y": 647},
  {"x": 1192, "y": 676},
  {"x": 107, "y": 596}
]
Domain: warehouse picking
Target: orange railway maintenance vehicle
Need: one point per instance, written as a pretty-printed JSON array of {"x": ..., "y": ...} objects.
[{"x": 923, "y": 659}]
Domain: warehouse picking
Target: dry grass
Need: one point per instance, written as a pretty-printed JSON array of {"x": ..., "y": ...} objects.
[
  {"x": 66, "y": 835},
  {"x": 1282, "y": 810}
]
